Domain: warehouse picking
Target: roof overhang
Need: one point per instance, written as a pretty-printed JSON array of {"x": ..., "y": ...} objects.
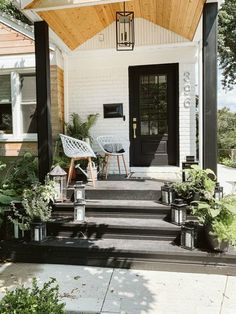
[{"x": 76, "y": 21}]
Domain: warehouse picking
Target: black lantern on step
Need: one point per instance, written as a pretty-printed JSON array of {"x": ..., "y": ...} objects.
[
  {"x": 178, "y": 212},
  {"x": 190, "y": 161},
  {"x": 188, "y": 238},
  {"x": 219, "y": 192},
  {"x": 124, "y": 30},
  {"x": 167, "y": 193},
  {"x": 38, "y": 231}
]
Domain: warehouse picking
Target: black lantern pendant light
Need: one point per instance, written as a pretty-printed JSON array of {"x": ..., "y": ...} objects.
[{"x": 124, "y": 30}]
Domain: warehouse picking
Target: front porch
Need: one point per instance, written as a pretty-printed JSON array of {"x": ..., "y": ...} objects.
[
  {"x": 126, "y": 227},
  {"x": 126, "y": 224}
]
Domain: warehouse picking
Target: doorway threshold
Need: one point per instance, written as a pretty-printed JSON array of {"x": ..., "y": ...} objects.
[{"x": 165, "y": 173}]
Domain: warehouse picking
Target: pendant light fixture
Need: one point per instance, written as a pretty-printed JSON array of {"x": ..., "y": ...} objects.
[{"x": 124, "y": 30}]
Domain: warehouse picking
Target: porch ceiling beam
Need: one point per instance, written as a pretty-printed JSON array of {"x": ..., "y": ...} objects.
[{"x": 48, "y": 5}]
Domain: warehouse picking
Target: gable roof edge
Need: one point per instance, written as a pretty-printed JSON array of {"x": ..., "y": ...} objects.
[{"x": 17, "y": 25}]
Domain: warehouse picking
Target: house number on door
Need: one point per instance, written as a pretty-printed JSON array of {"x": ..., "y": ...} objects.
[{"x": 187, "y": 90}]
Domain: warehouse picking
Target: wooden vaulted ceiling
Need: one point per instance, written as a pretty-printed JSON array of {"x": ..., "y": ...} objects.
[{"x": 78, "y": 24}]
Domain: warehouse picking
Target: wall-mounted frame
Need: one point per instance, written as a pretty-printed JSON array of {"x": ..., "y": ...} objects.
[{"x": 113, "y": 110}]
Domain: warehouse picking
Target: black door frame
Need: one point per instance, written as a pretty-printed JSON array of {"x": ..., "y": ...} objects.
[{"x": 173, "y": 115}]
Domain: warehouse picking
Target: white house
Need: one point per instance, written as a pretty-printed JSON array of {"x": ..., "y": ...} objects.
[{"x": 150, "y": 90}]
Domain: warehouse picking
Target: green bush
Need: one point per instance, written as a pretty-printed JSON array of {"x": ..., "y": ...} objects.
[
  {"x": 229, "y": 162},
  {"x": 33, "y": 300}
]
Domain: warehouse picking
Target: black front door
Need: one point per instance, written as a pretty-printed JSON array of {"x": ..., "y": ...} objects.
[{"x": 153, "y": 115}]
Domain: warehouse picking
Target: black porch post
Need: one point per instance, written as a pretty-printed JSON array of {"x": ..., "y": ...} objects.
[
  {"x": 210, "y": 86},
  {"x": 43, "y": 98}
]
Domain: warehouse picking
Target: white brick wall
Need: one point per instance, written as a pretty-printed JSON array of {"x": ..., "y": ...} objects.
[{"x": 97, "y": 77}]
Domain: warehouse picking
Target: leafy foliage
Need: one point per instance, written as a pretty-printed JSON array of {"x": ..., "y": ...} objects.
[
  {"x": 33, "y": 300},
  {"x": 229, "y": 162},
  {"x": 36, "y": 200},
  {"x": 8, "y": 7},
  {"x": 80, "y": 129},
  {"x": 184, "y": 190},
  {"x": 220, "y": 215},
  {"x": 201, "y": 181},
  {"x": 20, "y": 174},
  {"x": 226, "y": 129},
  {"x": 227, "y": 42}
]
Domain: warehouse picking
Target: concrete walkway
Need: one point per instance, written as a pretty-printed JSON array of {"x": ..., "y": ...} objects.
[
  {"x": 227, "y": 178},
  {"x": 113, "y": 291}
]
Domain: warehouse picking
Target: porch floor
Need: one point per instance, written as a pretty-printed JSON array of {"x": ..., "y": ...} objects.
[{"x": 120, "y": 182}]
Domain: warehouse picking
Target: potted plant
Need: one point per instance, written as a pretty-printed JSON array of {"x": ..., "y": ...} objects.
[
  {"x": 34, "y": 300},
  {"x": 219, "y": 221},
  {"x": 80, "y": 129},
  {"x": 184, "y": 191},
  {"x": 36, "y": 209},
  {"x": 203, "y": 181},
  {"x": 200, "y": 185}
]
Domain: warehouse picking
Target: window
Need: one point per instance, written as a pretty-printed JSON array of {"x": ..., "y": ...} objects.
[
  {"x": 5, "y": 105},
  {"x": 18, "y": 106},
  {"x": 28, "y": 103}
]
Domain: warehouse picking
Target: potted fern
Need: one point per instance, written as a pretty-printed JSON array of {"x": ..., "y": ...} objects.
[{"x": 79, "y": 128}]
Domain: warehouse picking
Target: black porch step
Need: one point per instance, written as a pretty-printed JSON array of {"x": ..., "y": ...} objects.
[
  {"x": 117, "y": 253},
  {"x": 116, "y": 208},
  {"x": 106, "y": 227},
  {"x": 124, "y": 194}
]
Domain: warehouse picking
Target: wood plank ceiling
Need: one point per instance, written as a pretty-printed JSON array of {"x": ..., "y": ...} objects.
[{"x": 77, "y": 25}]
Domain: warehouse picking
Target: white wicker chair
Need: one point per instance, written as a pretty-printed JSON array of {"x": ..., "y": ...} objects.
[
  {"x": 112, "y": 146},
  {"x": 76, "y": 150}
]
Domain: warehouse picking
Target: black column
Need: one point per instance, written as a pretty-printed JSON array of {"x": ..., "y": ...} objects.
[
  {"x": 210, "y": 86},
  {"x": 43, "y": 98}
]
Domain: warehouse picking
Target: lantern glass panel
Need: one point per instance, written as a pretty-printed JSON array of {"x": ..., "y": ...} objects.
[
  {"x": 218, "y": 195},
  {"x": 60, "y": 187},
  {"x": 38, "y": 231},
  {"x": 79, "y": 192},
  {"x": 79, "y": 212}
]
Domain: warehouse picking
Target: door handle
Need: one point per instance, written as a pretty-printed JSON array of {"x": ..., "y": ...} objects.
[
  {"x": 134, "y": 130},
  {"x": 134, "y": 127}
]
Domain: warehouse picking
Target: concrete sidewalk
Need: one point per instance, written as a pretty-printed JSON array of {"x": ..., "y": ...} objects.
[{"x": 113, "y": 291}]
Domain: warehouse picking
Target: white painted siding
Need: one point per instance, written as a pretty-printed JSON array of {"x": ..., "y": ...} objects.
[
  {"x": 100, "y": 76},
  {"x": 146, "y": 33}
]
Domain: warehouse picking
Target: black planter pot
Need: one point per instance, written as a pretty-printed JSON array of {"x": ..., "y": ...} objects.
[
  {"x": 38, "y": 231},
  {"x": 213, "y": 242}
]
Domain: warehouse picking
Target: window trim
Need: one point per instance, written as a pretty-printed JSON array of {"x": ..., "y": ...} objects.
[{"x": 17, "y": 134}]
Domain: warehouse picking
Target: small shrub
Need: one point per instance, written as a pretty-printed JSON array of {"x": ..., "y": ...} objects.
[
  {"x": 229, "y": 162},
  {"x": 33, "y": 300}
]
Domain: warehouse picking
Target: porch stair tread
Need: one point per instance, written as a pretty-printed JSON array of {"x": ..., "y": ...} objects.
[
  {"x": 108, "y": 227},
  {"x": 132, "y": 223},
  {"x": 124, "y": 253},
  {"x": 121, "y": 204},
  {"x": 114, "y": 183}
]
